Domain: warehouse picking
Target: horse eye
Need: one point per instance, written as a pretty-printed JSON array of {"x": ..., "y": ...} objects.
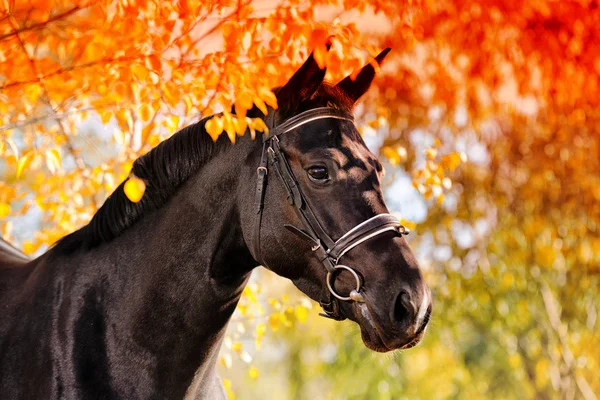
[{"x": 318, "y": 173}]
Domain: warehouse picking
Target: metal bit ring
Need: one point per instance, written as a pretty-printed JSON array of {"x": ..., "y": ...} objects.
[{"x": 355, "y": 294}]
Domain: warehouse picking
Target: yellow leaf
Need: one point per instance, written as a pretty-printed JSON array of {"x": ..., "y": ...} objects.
[
  {"x": 253, "y": 373},
  {"x": 259, "y": 125},
  {"x": 229, "y": 126},
  {"x": 252, "y": 130},
  {"x": 453, "y": 160},
  {"x": 105, "y": 116},
  {"x": 139, "y": 71},
  {"x": 226, "y": 360},
  {"x": 240, "y": 125},
  {"x": 214, "y": 127},
  {"x": 94, "y": 51},
  {"x": 4, "y": 210},
  {"x": 267, "y": 95},
  {"x": 189, "y": 105},
  {"x": 408, "y": 224},
  {"x": 237, "y": 347},
  {"x": 261, "y": 329},
  {"x": 24, "y": 163},
  {"x": 301, "y": 313},
  {"x": 172, "y": 123},
  {"x": 29, "y": 247},
  {"x": 274, "y": 322},
  {"x": 119, "y": 136},
  {"x": 53, "y": 160},
  {"x": 431, "y": 152},
  {"x": 514, "y": 361},
  {"x": 541, "y": 373},
  {"x": 134, "y": 189},
  {"x": 227, "y": 385}
]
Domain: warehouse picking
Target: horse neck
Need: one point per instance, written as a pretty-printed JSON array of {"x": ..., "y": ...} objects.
[{"x": 167, "y": 286}]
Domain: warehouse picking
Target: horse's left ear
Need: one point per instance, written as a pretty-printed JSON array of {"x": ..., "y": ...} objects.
[
  {"x": 303, "y": 83},
  {"x": 359, "y": 86}
]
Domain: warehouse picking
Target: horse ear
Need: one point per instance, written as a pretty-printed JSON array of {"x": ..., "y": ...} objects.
[
  {"x": 359, "y": 86},
  {"x": 303, "y": 83}
]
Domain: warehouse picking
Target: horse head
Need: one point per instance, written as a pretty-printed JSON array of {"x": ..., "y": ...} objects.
[{"x": 321, "y": 220}]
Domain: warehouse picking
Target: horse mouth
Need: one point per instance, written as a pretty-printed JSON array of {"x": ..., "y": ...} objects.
[
  {"x": 419, "y": 333},
  {"x": 374, "y": 339}
]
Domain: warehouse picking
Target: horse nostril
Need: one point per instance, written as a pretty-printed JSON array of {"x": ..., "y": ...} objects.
[{"x": 403, "y": 309}]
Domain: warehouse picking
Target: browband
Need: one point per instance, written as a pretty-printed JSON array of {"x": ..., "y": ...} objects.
[{"x": 305, "y": 118}]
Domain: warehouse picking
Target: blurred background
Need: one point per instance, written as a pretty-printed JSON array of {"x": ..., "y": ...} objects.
[{"x": 486, "y": 118}]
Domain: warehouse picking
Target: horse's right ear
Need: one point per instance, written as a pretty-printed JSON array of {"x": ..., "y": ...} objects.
[
  {"x": 303, "y": 84},
  {"x": 356, "y": 87}
]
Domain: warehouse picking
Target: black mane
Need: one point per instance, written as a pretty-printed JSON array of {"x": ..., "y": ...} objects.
[
  {"x": 164, "y": 169},
  {"x": 169, "y": 165}
]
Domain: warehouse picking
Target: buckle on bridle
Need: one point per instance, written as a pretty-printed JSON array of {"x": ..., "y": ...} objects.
[
  {"x": 316, "y": 246},
  {"x": 262, "y": 169}
]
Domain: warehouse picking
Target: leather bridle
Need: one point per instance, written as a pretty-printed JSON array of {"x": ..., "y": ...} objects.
[{"x": 323, "y": 246}]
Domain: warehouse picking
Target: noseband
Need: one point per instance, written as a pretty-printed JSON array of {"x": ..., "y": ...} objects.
[{"x": 325, "y": 249}]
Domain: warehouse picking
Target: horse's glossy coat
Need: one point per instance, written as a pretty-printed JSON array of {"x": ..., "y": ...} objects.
[{"x": 135, "y": 304}]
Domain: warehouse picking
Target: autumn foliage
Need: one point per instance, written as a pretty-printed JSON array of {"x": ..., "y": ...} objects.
[{"x": 492, "y": 108}]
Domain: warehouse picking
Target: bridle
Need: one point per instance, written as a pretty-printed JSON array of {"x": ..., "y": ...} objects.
[{"x": 323, "y": 246}]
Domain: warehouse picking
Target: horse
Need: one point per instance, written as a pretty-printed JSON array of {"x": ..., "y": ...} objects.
[{"x": 135, "y": 304}]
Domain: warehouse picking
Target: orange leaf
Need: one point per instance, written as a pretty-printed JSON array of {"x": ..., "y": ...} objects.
[
  {"x": 105, "y": 116},
  {"x": 139, "y": 71},
  {"x": 320, "y": 55},
  {"x": 229, "y": 127},
  {"x": 214, "y": 127},
  {"x": 261, "y": 105},
  {"x": 145, "y": 112},
  {"x": 268, "y": 96},
  {"x": 154, "y": 64}
]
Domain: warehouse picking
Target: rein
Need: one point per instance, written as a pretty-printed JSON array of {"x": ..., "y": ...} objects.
[{"x": 323, "y": 246}]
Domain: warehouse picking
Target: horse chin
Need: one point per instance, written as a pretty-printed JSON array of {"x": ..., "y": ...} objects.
[
  {"x": 372, "y": 337},
  {"x": 373, "y": 342},
  {"x": 368, "y": 330}
]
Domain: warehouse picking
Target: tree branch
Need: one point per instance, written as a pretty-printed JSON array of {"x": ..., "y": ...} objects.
[
  {"x": 81, "y": 164},
  {"x": 17, "y": 30},
  {"x": 560, "y": 329}
]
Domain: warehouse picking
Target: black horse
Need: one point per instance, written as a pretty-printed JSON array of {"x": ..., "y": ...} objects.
[{"x": 135, "y": 304}]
